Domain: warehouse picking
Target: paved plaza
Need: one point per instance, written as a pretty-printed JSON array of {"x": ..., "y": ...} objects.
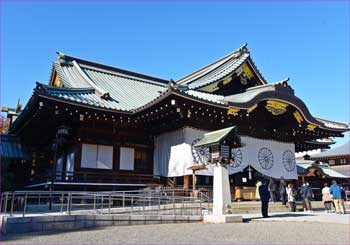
[{"x": 287, "y": 228}]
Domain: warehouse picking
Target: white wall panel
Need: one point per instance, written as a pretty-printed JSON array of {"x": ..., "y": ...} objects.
[
  {"x": 127, "y": 158},
  {"x": 105, "y": 157},
  {"x": 88, "y": 156}
]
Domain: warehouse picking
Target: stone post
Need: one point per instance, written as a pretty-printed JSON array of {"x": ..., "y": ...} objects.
[{"x": 222, "y": 194}]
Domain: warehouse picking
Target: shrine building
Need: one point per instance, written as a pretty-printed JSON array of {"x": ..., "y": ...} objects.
[{"x": 97, "y": 127}]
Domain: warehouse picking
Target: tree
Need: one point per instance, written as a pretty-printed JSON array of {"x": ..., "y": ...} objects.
[{"x": 4, "y": 124}]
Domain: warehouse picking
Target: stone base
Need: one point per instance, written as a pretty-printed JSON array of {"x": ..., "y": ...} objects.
[{"x": 220, "y": 219}]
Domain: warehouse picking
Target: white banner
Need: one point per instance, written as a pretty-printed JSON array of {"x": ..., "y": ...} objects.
[{"x": 174, "y": 154}]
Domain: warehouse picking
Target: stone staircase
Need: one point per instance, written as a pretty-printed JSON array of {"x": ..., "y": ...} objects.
[{"x": 250, "y": 207}]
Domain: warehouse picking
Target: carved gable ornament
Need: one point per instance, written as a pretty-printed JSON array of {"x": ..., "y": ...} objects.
[{"x": 276, "y": 107}]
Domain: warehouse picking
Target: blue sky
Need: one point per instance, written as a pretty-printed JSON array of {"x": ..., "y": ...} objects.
[{"x": 306, "y": 41}]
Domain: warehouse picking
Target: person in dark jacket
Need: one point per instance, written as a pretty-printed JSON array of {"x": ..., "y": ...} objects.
[
  {"x": 307, "y": 195},
  {"x": 282, "y": 190},
  {"x": 264, "y": 198},
  {"x": 272, "y": 187}
]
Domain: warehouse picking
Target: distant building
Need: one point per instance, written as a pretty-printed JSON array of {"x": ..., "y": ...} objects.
[{"x": 338, "y": 158}]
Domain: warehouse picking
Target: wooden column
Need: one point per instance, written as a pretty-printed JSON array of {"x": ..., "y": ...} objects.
[
  {"x": 194, "y": 180},
  {"x": 187, "y": 182}
]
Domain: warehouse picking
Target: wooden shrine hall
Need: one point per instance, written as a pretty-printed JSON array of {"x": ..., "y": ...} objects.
[{"x": 94, "y": 126}]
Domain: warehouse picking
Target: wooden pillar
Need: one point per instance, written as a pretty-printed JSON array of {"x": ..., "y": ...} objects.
[
  {"x": 194, "y": 180},
  {"x": 186, "y": 182}
]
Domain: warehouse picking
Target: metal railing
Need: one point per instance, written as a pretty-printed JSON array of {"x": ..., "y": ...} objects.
[
  {"x": 170, "y": 201},
  {"x": 89, "y": 176}
]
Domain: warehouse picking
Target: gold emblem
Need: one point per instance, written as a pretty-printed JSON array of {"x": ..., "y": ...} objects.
[
  {"x": 232, "y": 111},
  {"x": 276, "y": 107}
]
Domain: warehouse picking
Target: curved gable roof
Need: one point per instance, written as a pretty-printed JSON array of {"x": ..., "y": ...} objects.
[{"x": 220, "y": 69}]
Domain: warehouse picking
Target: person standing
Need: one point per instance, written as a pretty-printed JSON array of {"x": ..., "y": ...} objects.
[
  {"x": 258, "y": 184},
  {"x": 264, "y": 198},
  {"x": 326, "y": 198},
  {"x": 343, "y": 195},
  {"x": 335, "y": 190},
  {"x": 291, "y": 195},
  {"x": 306, "y": 194},
  {"x": 272, "y": 188},
  {"x": 282, "y": 191}
]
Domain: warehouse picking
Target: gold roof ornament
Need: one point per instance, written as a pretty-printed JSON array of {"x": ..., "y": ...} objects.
[
  {"x": 311, "y": 127},
  {"x": 298, "y": 116},
  {"x": 18, "y": 106},
  {"x": 233, "y": 111},
  {"x": 252, "y": 108},
  {"x": 227, "y": 80},
  {"x": 276, "y": 107}
]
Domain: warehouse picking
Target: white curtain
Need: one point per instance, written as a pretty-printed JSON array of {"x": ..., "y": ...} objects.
[
  {"x": 70, "y": 162},
  {"x": 174, "y": 154}
]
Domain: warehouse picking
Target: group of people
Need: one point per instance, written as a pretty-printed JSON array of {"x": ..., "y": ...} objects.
[
  {"x": 306, "y": 194},
  {"x": 268, "y": 191},
  {"x": 333, "y": 197}
]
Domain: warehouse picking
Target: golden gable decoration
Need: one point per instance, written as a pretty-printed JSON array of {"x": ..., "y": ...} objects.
[{"x": 276, "y": 107}]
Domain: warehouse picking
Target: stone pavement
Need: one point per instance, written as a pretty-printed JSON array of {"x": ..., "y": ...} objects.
[
  {"x": 302, "y": 217},
  {"x": 281, "y": 228}
]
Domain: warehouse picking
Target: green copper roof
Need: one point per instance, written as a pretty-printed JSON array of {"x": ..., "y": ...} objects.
[
  {"x": 126, "y": 90},
  {"x": 215, "y": 137}
]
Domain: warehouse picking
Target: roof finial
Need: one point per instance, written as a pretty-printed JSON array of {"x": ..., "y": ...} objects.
[
  {"x": 60, "y": 54},
  {"x": 18, "y": 106},
  {"x": 243, "y": 47},
  {"x": 171, "y": 84}
]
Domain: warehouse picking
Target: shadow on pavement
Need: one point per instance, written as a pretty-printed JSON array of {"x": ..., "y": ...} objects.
[
  {"x": 16, "y": 236},
  {"x": 284, "y": 215}
]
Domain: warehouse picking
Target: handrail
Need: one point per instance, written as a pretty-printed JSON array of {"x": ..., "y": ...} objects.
[
  {"x": 74, "y": 176},
  {"x": 58, "y": 201}
]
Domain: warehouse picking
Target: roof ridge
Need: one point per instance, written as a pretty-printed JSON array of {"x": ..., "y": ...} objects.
[
  {"x": 220, "y": 130},
  {"x": 346, "y": 124},
  {"x": 123, "y": 75},
  {"x": 268, "y": 85},
  {"x": 100, "y": 92},
  {"x": 222, "y": 59},
  {"x": 111, "y": 68},
  {"x": 40, "y": 86}
]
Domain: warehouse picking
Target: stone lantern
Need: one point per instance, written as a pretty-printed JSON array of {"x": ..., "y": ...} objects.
[{"x": 220, "y": 143}]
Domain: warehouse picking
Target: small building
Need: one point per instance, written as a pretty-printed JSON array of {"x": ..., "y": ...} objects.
[
  {"x": 317, "y": 173},
  {"x": 338, "y": 158},
  {"x": 93, "y": 126}
]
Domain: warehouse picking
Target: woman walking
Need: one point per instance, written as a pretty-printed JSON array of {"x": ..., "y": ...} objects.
[
  {"x": 291, "y": 194},
  {"x": 326, "y": 198}
]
